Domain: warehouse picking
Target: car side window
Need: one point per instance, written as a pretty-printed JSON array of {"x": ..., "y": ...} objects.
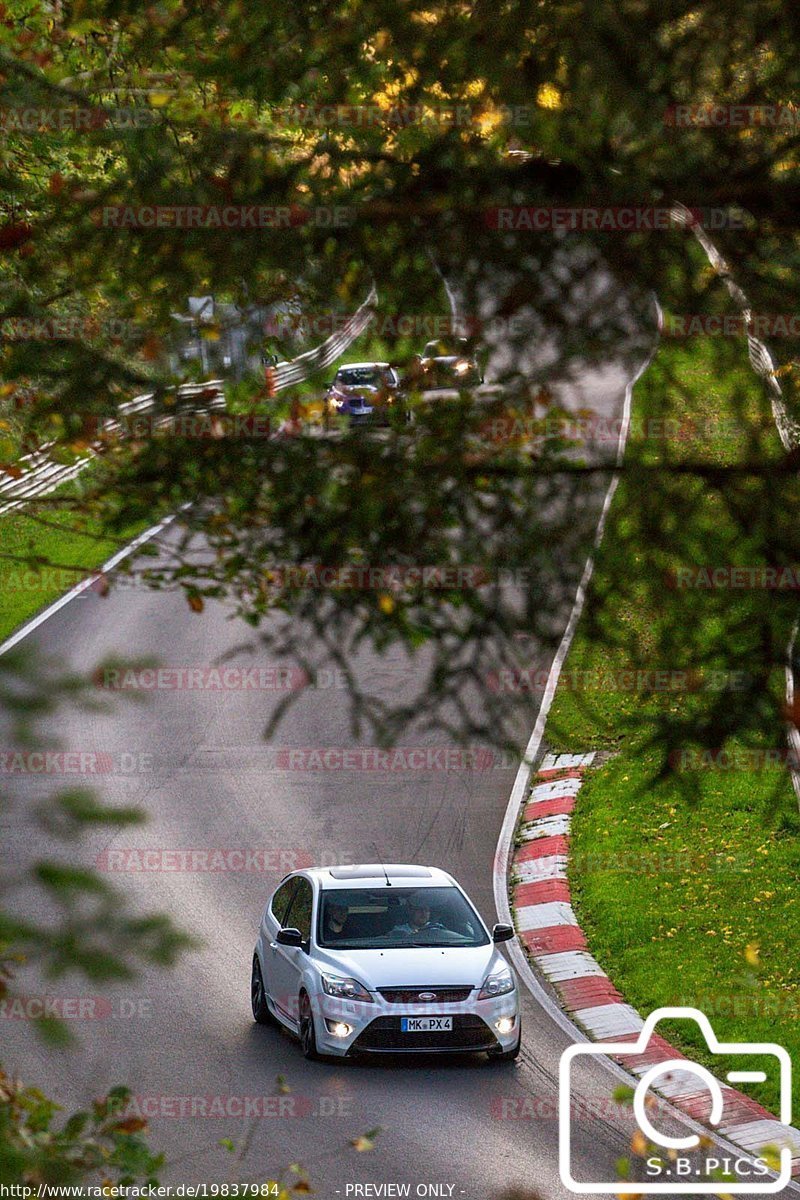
[
  {"x": 282, "y": 899},
  {"x": 299, "y": 913}
]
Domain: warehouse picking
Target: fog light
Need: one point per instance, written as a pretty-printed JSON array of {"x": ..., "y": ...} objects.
[
  {"x": 339, "y": 1028},
  {"x": 504, "y": 1025}
]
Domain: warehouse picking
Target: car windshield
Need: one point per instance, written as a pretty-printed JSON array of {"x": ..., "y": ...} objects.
[
  {"x": 443, "y": 349},
  {"x": 363, "y": 377},
  {"x": 392, "y": 917}
]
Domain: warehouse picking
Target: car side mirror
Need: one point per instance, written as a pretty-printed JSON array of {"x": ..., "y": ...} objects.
[
  {"x": 502, "y": 933},
  {"x": 289, "y": 937}
]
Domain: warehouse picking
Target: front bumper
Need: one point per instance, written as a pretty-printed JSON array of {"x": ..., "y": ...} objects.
[
  {"x": 379, "y": 415},
  {"x": 376, "y": 1028}
]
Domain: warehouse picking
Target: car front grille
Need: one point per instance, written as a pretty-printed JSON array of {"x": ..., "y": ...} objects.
[
  {"x": 433, "y": 995},
  {"x": 384, "y": 1033}
]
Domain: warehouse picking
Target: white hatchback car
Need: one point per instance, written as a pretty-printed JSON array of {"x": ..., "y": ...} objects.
[{"x": 383, "y": 958}]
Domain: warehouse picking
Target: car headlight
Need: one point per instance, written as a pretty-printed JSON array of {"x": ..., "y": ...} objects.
[
  {"x": 461, "y": 367},
  {"x": 497, "y": 985},
  {"x": 336, "y": 402},
  {"x": 345, "y": 988}
]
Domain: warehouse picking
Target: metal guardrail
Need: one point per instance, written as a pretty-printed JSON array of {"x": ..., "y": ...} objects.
[
  {"x": 289, "y": 373},
  {"x": 42, "y": 476},
  {"x": 789, "y": 433}
]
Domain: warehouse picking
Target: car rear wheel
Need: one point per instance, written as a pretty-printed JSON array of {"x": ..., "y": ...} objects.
[
  {"x": 258, "y": 995},
  {"x": 308, "y": 1036}
]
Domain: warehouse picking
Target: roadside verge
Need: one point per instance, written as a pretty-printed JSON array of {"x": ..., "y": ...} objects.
[{"x": 666, "y": 892}]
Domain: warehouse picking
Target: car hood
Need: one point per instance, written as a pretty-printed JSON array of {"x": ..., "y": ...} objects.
[
  {"x": 362, "y": 390},
  {"x": 416, "y": 966}
]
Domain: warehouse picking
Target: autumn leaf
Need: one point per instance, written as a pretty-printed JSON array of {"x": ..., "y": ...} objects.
[
  {"x": 14, "y": 235},
  {"x": 130, "y": 1125},
  {"x": 100, "y": 585},
  {"x": 639, "y": 1143},
  {"x": 195, "y": 602},
  {"x": 751, "y": 954},
  {"x": 772, "y": 1157},
  {"x": 365, "y": 1141}
]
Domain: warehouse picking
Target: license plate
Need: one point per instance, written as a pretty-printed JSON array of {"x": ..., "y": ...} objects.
[{"x": 426, "y": 1024}]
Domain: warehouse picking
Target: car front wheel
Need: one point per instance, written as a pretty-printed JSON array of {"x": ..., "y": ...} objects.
[
  {"x": 258, "y": 995},
  {"x": 308, "y": 1035}
]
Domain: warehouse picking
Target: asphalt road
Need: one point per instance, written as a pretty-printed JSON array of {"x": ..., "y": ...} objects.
[{"x": 184, "y": 1040}]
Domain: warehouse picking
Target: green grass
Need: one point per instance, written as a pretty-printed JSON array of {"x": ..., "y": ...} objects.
[
  {"x": 686, "y": 882},
  {"x": 45, "y": 549}
]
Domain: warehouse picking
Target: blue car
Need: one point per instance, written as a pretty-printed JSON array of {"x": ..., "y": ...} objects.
[{"x": 364, "y": 392}]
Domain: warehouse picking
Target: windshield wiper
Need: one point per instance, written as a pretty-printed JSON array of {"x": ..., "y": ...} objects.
[{"x": 444, "y": 945}]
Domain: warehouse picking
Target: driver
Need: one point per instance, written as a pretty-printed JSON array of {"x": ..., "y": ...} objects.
[
  {"x": 419, "y": 919},
  {"x": 336, "y": 920}
]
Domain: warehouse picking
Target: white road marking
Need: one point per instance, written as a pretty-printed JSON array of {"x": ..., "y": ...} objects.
[
  {"x": 551, "y": 866},
  {"x": 559, "y": 762},
  {"x": 557, "y": 826},
  {"x": 569, "y": 964},
  {"x": 608, "y": 1021},
  {"x": 542, "y": 916},
  {"x": 550, "y": 791},
  {"x": 81, "y": 587}
]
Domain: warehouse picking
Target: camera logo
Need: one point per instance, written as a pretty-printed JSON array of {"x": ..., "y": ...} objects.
[{"x": 678, "y": 1172}]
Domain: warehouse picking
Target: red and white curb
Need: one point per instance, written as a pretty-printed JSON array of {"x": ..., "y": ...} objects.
[{"x": 548, "y": 929}]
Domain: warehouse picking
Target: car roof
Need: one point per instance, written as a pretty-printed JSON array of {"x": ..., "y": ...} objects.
[
  {"x": 449, "y": 345},
  {"x": 355, "y": 366},
  {"x": 367, "y": 875}
]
